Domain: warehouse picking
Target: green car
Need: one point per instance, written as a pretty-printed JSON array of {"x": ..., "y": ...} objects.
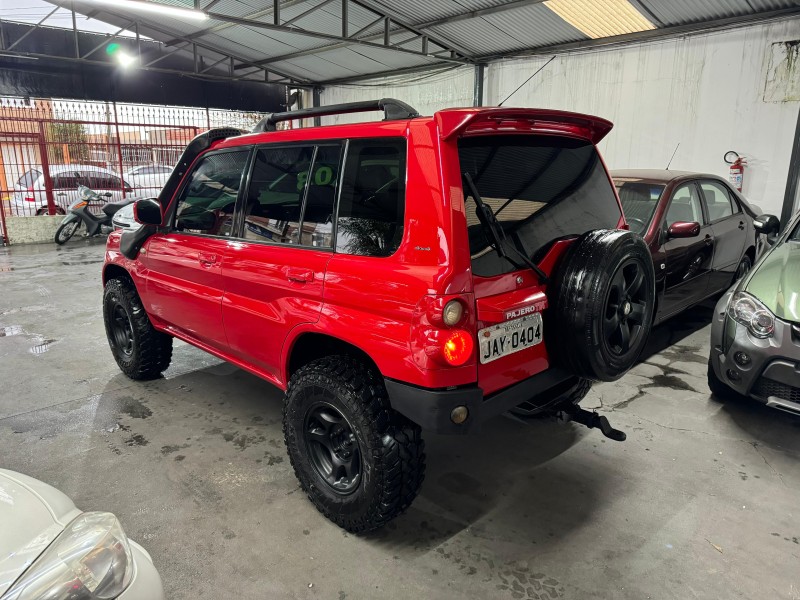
[{"x": 755, "y": 335}]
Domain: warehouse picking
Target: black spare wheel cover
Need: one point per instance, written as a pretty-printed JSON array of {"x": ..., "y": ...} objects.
[{"x": 601, "y": 304}]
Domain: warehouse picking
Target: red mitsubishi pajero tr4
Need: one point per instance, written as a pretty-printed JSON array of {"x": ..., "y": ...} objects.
[{"x": 413, "y": 273}]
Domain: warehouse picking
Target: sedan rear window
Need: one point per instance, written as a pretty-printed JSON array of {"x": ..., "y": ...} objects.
[
  {"x": 28, "y": 179},
  {"x": 639, "y": 200},
  {"x": 541, "y": 188}
]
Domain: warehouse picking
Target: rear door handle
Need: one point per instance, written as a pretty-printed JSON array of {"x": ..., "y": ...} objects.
[
  {"x": 709, "y": 240},
  {"x": 741, "y": 224},
  {"x": 299, "y": 275},
  {"x": 207, "y": 259}
]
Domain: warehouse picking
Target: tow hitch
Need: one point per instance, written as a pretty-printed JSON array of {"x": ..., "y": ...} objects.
[{"x": 591, "y": 420}]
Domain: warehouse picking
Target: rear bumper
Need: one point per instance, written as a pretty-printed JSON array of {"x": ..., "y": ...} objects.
[{"x": 431, "y": 409}]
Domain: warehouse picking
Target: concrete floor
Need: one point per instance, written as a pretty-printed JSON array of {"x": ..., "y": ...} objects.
[{"x": 700, "y": 502}]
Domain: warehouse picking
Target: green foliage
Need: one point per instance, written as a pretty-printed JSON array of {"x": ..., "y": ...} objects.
[{"x": 63, "y": 138}]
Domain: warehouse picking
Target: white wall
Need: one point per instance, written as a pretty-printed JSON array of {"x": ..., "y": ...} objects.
[
  {"x": 424, "y": 91},
  {"x": 704, "y": 91}
]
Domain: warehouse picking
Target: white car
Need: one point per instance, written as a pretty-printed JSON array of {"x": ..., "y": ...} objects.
[
  {"x": 30, "y": 196},
  {"x": 123, "y": 219},
  {"x": 50, "y": 549},
  {"x": 148, "y": 179}
]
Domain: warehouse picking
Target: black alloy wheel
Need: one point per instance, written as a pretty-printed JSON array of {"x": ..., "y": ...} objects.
[
  {"x": 333, "y": 448},
  {"x": 626, "y": 308},
  {"x": 121, "y": 330}
]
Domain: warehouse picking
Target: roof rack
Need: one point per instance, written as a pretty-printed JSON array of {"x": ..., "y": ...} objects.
[{"x": 392, "y": 110}]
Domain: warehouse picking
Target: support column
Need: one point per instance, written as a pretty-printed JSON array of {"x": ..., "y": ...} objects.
[
  {"x": 477, "y": 93},
  {"x": 316, "y": 101},
  {"x": 793, "y": 179}
]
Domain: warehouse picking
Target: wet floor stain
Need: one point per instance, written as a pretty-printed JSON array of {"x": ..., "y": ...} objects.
[
  {"x": 136, "y": 439},
  {"x": 170, "y": 449},
  {"x": 134, "y": 408},
  {"x": 11, "y": 330}
]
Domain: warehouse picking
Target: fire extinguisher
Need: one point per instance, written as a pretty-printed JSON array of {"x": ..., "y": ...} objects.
[{"x": 736, "y": 171}]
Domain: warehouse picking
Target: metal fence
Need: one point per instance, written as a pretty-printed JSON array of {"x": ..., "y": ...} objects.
[{"x": 49, "y": 147}]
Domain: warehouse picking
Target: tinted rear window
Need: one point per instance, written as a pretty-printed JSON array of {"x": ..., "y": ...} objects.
[
  {"x": 29, "y": 178},
  {"x": 541, "y": 188}
]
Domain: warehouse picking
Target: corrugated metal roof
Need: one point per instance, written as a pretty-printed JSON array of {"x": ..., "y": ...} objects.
[
  {"x": 681, "y": 12},
  {"x": 416, "y": 11},
  {"x": 527, "y": 27},
  {"x": 510, "y": 26}
]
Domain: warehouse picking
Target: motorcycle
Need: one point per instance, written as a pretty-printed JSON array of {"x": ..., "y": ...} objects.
[{"x": 79, "y": 212}]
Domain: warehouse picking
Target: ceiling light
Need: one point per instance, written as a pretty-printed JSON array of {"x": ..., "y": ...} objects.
[
  {"x": 600, "y": 19},
  {"x": 126, "y": 60},
  {"x": 155, "y": 7}
]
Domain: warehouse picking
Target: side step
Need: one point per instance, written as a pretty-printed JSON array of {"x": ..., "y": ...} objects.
[{"x": 591, "y": 420}]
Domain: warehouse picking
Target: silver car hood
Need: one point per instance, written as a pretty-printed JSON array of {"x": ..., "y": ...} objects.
[{"x": 32, "y": 514}]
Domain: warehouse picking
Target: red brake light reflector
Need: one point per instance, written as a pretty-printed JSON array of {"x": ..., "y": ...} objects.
[{"x": 457, "y": 347}]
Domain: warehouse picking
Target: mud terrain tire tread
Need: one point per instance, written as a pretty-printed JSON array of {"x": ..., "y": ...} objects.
[
  {"x": 391, "y": 447},
  {"x": 579, "y": 298},
  {"x": 152, "y": 349}
]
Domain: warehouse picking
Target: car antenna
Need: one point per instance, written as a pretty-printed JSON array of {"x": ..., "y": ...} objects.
[
  {"x": 552, "y": 58},
  {"x": 673, "y": 155}
]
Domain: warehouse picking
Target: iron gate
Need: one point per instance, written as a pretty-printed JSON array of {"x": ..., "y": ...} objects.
[{"x": 49, "y": 147}]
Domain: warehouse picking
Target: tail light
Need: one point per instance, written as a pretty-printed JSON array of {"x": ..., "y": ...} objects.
[
  {"x": 441, "y": 332},
  {"x": 457, "y": 348}
]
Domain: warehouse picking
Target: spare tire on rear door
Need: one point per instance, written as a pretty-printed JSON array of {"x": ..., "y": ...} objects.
[{"x": 601, "y": 304}]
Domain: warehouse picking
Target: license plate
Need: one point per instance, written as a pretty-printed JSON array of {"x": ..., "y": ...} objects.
[{"x": 507, "y": 338}]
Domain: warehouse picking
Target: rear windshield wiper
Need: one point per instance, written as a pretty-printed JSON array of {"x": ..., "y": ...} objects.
[{"x": 497, "y": 235}]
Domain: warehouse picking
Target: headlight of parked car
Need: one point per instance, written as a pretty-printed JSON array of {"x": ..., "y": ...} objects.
[
  {"x": 751, "y": 312},
  {"x": 89, "y": 560}
]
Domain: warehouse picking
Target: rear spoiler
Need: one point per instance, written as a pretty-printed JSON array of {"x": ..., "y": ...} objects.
[{"x": 468, "y": 121}]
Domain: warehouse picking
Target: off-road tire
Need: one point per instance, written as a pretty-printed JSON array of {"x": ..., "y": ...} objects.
[
  {"x": 589, "y": 290},
  {"x": 65, "y": 232},
  {"x": 149, "y": 351},
  {"x": 392, "y": 452},
  {"x": 531, "y": 410},
  {"x": 718, "y": 388}
]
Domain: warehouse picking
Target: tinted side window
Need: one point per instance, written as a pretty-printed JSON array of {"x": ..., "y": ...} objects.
[
  {"x": 685, "y": 205},
  {"x": 206, "y": 203},
  {"x": 317, "y": 227},
  {"x": 275, "y": 198},
  {"x": 372, "y": 204},
  {"x": 718, "y": 200},
  {"x": 66, "y": 181}
]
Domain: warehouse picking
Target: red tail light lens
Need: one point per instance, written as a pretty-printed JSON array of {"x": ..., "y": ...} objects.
[{"x": 457, "y": 347}]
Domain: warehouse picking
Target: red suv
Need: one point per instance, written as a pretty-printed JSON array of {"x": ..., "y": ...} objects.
[{"x": 415, "y": 273}]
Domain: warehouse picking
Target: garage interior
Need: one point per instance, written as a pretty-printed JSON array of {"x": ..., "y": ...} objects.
[{"x": 698, "y": 502}]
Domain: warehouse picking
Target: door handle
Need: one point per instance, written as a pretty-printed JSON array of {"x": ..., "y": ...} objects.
[
  {"x": 741, "y": 224},
  {"x": 299, "y": 275},
  {"x": 207, "y": 259},
  {"x": 708, "y": 240}
]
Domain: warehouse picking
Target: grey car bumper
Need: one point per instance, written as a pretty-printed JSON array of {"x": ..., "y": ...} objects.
[{"x": 772, "y": 375}]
